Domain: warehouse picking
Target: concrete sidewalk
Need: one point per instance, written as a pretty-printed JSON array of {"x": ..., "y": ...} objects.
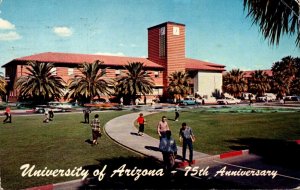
[{"x": 122, "y": 130}]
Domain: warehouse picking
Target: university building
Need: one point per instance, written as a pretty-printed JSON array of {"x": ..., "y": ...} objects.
[{"x": 166, "y": 54}]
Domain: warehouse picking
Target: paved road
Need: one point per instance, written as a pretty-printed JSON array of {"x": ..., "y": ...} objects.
[{"x": 122, "y": 130}]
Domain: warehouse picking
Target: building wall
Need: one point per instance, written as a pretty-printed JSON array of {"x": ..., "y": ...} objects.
[
  {"x": 175, "y": 48},
  {"x": 206, "y": 83},
  {"x": 174, "y": 59},
  {"x": 66, "y": 73}
]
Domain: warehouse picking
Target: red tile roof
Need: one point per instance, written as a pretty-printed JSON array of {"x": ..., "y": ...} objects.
[
  {"x": 72, "y": 58},
  {"x": 193, "y": 64},
  {"x": 247, "y": 74},
  {"x": 81, "y": 58}
]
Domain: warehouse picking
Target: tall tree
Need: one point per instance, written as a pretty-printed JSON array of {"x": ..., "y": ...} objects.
[
  {"x": 40, "y": 83},
  {"x": 283, "y": 74},
  {"x": 275, "y": 18},
  {"x": 259, "y": 83},
  {"x": 234, "y": 82},
  {"x": 90, "y": 83},
  {"x": 179, "y": 84},
  {"x": 295, "y": 85},
  {"x": 134, "y": 81}
]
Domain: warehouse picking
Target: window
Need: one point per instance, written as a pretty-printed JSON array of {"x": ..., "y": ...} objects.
[
  {"x": 70, "y": 71},
  {"x": 162, "y": 42},
  {"x": 118, "y": 72},
  {"x": 176, "y": 30},
  {"x": 53, "y": 71}
]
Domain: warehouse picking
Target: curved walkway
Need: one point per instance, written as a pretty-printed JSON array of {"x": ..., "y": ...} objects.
[{"x": 122, "y": 130}]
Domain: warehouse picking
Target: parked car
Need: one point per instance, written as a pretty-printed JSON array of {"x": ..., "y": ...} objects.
[
  {"x": 246, "y": 95},
  {"x": 62, "y": 106},
  {"x": 270, "y": 96},
  {"x": 40, "y": 108},
  {"x": 188, "y": 101},
  {"x": 288, "y": 98},
  {"x": 55, "y": 106},
  {"x": 228, "y": 101},
  {"x": 22, "y": 105},
  {"x": 295, "y": 98},
  {"x": 292, "y": 98},
  {"x": 210, "y": 100},
  {"x": 261, "y": 99}
]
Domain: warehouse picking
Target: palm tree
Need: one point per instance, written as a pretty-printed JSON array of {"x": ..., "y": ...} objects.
[
  {"x": 89, "y": 84},
  {"x": 3, "y": 84},
  {"x": 234, "y": 82},
  {"x": 179, "y": 84},
  {"x": 134, "y": 81},
  {"x": 275, "y": 17},
  {"x": 283, "y": 74},
  {"x": 259, "y": 83},
  {"x": 40, "y": 83}
]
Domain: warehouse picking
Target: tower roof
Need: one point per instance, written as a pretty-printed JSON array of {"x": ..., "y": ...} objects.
[{"x": 165, "y": 23}]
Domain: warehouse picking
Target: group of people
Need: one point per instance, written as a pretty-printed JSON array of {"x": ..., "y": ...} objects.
[{"x": 167, "y": 144}]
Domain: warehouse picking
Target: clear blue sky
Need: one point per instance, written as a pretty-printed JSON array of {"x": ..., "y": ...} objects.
[{"x": 216, "y": 30}]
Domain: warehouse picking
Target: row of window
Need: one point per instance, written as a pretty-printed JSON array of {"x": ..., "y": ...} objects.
[{"x": 117, "y": 72}]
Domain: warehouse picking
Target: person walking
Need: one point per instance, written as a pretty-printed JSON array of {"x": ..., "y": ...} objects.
[
  {"x": 51, "y": 114},
  {"x": 121, "y": 101},
  {"x": 162, "y": 127},
  {"x": 86, "y": 113},
  {"x": 8, "y": 115},
  {"x": 141, "y": 121},
  {"x": 176, "y": 112},
  {"x": 187, "y": 138},
  {"x": 96, "y": 132},
  {"x": 46, "y": 119},
  {"x": 167, "y": 146},
  {"x": 137, "y": 101}
]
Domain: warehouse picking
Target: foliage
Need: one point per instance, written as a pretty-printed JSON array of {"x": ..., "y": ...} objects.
[
  {"x": 259, "y": 83},
  {"x": 295, "y": 85},
  {"x": 284, "y": 73},
  {"x": 134, "y": 81},
  {"x": 3, "y": 84},
  {"x": 179, "y": 84},
  {"x": 40, "y": 83},
  {"x": 275, "y": 18},
  {"x": 89, "y": 84},
  {"x": 234, "y": 82}
]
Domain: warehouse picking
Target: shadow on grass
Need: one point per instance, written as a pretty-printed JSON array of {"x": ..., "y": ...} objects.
[
  {"x": 89, "y": 141},
  {"x": 274, "y": 151},
  {"x": 153, "y": 148},
  {"x": 143, "y": 182}
]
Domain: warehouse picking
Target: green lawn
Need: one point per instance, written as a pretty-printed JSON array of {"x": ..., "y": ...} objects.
[
  {"x": 221, "y": 132},
  {"x": 59, "y": 144}
]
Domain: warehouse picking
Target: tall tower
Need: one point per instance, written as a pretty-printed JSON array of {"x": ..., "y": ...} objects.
[{"x": 166, "y": 46}]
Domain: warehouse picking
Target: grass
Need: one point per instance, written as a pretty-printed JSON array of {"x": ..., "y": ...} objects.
[
  {"x": 221, "y": 132},
  {"x": 60, "y": 144}
]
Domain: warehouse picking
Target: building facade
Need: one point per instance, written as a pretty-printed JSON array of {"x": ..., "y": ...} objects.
[{"x": 166, "y": 54}]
